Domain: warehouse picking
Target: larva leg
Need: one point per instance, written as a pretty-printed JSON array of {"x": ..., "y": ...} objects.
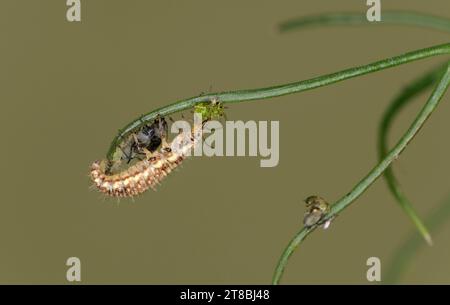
[
  {"x": 135, "y": 139},
  {"x": 129, "y": 156}
]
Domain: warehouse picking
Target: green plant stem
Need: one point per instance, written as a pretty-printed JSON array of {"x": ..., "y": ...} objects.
[
  {"x": 415, "y": 88},
  {"x": 270, "y": 92},
  {"x": 358, "y": 18},
  {"x": 375, "y": 173}
]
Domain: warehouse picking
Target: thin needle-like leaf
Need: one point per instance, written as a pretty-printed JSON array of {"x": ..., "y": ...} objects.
[
  {"x": 357, "y": 18},
  {"x": 407, "y": 95}
]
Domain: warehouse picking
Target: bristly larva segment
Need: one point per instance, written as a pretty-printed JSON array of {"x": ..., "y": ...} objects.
[
  {"x": 136, "y": 179},
  {"x": 157, "y": 164},
  {"x": 147, "y": 173}
]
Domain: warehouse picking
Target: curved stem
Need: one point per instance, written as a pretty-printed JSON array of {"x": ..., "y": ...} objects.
[
  {"x": 349, "y": 18},
  {"x": 269, "y": 92},
  {"x": 415, "y": 88},
  {"x": 376, "y": 172}
]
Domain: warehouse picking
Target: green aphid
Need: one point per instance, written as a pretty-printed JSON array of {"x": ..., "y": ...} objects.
[{"x": 211, "y": 110}]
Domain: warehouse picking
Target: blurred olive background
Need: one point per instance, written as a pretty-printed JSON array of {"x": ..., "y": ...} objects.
[{"x": 66, "y": 88}]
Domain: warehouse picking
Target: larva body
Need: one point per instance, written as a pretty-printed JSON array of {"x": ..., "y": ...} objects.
[
  {"x": 145, "y": 174},
  {"x": 148, "y": 173}
]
